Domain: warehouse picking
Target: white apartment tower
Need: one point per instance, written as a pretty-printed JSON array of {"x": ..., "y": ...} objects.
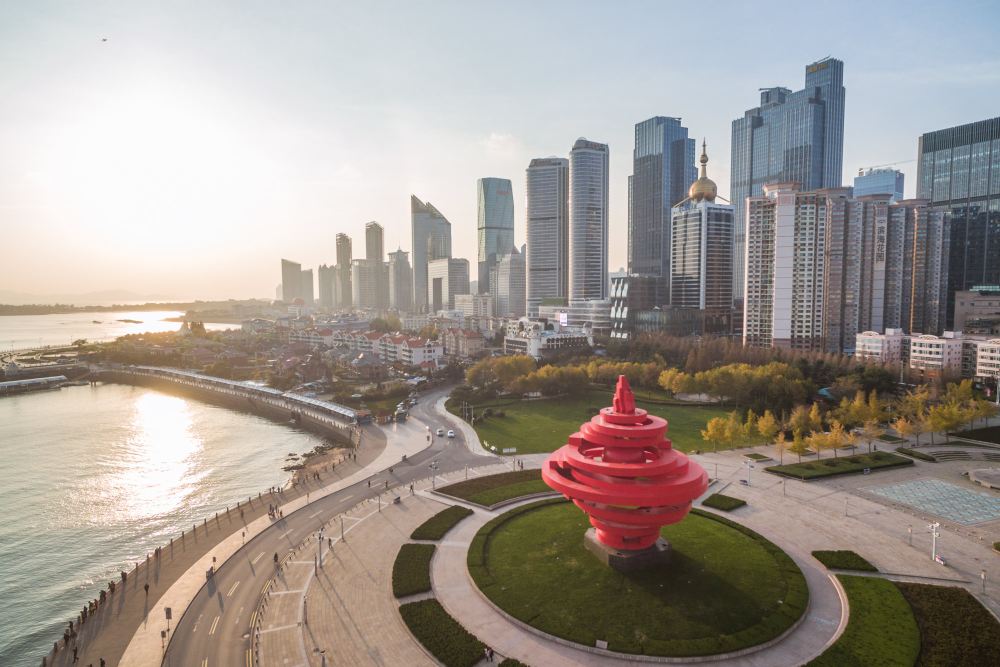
[
  {"x": 588, "y": 221},
  {"x": 547, "y": 257}
]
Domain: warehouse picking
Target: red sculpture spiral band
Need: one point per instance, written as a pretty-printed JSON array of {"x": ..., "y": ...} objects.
[{"x": 622, "y": 471}]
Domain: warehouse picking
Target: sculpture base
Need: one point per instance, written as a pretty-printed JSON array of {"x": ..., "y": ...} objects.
[{"x": 626, "y": 561}]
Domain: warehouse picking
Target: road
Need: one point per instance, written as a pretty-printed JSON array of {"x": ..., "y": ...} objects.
[{"x": 215, "y": 629}]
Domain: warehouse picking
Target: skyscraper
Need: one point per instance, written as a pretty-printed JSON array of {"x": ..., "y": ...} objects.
[
  {"x": 701, "y": 249},
  {"x": 446, "y": 278},
  {"x": 374, "y": 241},
  {"x": 792, "y": 136},
  {"x": 509, "y": 291},
  {"x": 495, "y": 226},
  {"x": 879, "y": 182},
  {"x": 306, "y": 282},
  {"x": 327, "y": 281},
  {"x": 958, "y": 171},
  {"x": 588, "y": 221},
  {"x": 291, "y": 280},
  {"x": 431, "y": 234},
  {"x": 547, "y": 258},
  {"x": 367, "y": 281},
  {"x": 400, "y": 281},
  {"x": 662, "y": 170},
  {"x": 343, "y": 293}
]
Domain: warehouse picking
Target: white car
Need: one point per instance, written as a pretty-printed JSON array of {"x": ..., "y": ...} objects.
[
  {"x": 451, "y": 434},
  {"x": 440, "y": 431}
]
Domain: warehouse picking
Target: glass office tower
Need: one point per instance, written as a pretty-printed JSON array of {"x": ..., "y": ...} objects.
[
  {"x": 495, "y": 227},
  {"x": 662, "y": 169},
  {"x": 547, "y": 258},
  {"x": 791, "y": 137},
  {"x": 879, "y": 182},
  {"x": 431, "y": 233},
  {"x": 958, "y": 171}
]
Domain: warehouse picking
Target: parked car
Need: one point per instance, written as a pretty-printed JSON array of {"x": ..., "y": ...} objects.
[
  {"x": 451, "y": 434},
  {"x": 440, "y": 431}
]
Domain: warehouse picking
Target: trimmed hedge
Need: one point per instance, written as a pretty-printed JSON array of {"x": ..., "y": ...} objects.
[
  {"x": 844, "y": 560},
  {"x": 511, "y": 662},
  {"x": 916, "y": 455},
  {"x": 754, "y": 456},
  {"x": 839, "y": 466},
  {"x": 881, "y": 629},
  {"x": 441, "y": 634},
  {"x": 955, "y": 629},
  {"x": 493, "y": 489},
  {"x": 411, "y": 573},
  {"x": 794, "y": 602},
  {"x": 725, "y": 503},
  {"x": 438, "y": 525}
]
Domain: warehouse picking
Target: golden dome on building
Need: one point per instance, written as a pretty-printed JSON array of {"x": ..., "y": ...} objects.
[{"x": 704, "y": 188}]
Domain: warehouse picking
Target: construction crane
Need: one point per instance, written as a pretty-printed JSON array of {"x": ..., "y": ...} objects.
[{"x": 862, "y": 170}]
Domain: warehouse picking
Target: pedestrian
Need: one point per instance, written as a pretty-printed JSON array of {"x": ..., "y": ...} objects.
[
  {"x": 75, "y": 658},
  {"x": 491, "y": 653},
  {"x": 103, "y": 664},
  {"x": 146, "y": 588},
  {"x": 486, "y": 653}
]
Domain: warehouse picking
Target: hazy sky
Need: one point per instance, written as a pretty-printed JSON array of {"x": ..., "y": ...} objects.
[{"x": 203, "y": 141}]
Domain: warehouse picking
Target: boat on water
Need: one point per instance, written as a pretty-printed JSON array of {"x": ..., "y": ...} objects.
[
  {"x": 96, "y": 322},
  {"x": 128, "y": 321}
]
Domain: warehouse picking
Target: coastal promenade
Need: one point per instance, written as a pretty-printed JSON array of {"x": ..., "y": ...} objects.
[{"x": 130, "y": 611}]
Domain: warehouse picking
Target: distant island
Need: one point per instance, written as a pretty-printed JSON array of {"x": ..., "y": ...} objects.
[{"x": 215, "y": 307}]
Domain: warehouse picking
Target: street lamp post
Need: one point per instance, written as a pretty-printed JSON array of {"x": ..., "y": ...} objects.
[
  {"x": 934, "y": 535},
  {"x": 909, "y": 534},
  {"x": 749, "y": 468},
  {"x": 982, "y": 577}
]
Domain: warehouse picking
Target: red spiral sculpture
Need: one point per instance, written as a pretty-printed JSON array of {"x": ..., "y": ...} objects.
[{"x": 622, "y": 471}]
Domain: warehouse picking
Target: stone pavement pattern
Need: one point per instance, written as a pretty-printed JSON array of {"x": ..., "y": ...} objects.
[{"x": 945, "y": 500}]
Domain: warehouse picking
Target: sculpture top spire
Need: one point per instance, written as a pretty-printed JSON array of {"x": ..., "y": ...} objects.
[{"x": 624, "y": 401}]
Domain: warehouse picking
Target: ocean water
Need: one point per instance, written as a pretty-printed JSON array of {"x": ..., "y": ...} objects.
[
  {"x": 21, "y": 331},
  {"x": 91, "y": 478}
]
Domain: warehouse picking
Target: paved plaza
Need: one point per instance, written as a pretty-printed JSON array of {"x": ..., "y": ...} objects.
[{"x": 944, "y": 500}]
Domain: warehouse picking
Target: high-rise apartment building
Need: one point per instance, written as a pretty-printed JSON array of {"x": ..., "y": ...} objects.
[
  {"x": 509, "y": 291},
  {"x": 495, "y": 225},
  {"x": 547, "y": 257},
  {"x": 306, "y": 289},
  {"x": 588, "y": 221},
  {"x": 400, "y": 281},
  {"x": 326, "y": 277},
  {"x": 368, "y": 277},
  {"x": 792, "y": 136},
  {"x": 291, "y": 280},
  {"x": 958, "y": 171},
  {"x": 662, "y": 170},
  {"x": 701, "y": 249},
  {"x": 374, "y": 241},
  {"x": 342, "y": 291},
  {"x": 446, "y": 278},
  {"x": 879, "y": 182},
  {"x": 431, "y": 234}
]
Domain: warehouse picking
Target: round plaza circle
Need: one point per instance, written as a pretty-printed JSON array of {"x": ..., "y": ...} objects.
[{"x": 725, "y": 588}]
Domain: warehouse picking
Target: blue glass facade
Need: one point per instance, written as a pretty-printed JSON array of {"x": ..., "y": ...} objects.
[
  {"x": 495, "y": 227},
  {"x": 662, "y": 170},
  {"x": 792, "y": 136},
  {"x": 958, "y": 170},
  {"x": 879, "y": 182}
]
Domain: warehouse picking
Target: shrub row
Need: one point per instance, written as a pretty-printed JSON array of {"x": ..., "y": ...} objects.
[
  {"x": 840, "y": 466},
  {"x": 511, "y": 662},
  {"x": 955, "y": 629},
  {"x": 441, "y": 634},
  {"x": 844, "y": 560},
  {"x": 912, "y": 453},
  {"x": 725, "y": 503},
  {"x": 493, "y": 489},
  {"x": 438, "y": 525},
  {"x": 411, "y": 573}
]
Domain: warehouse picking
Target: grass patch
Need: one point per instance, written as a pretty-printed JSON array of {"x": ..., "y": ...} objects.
[
  {"x": 988, "y": 434},
  {"x": 439, "y": 524},
  {"x": 912, "y": 453},
  {"x": 844, "y": 560},
  {"x": 840, "y": 466},
  {"x": 718, "y": 501},
  {"x": 441, "y": 634},
  {"x": 725, "y": 588},
  {"x": 955, "y": 629},
  {"x": 881, "y": 629},
  {"x": 493, "y": 489},
  {"x": 511, "y": 662},
  {"x": 411, "y": 573},
  {"x": 885, "y": 437},
  {"x": 544, "y": 425},
  {"x": 754, "y": 456}
]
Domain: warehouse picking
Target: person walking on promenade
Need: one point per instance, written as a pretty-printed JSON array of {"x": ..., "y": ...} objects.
[
  {"x": 146, "y": 588},
  {"x": 75, "y": 657}
]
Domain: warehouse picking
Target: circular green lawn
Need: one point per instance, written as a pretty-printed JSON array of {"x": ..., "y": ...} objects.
[{"x": 724, "y": 589}]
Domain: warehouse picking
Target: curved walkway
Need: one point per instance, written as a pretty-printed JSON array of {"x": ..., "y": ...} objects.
[{"x": 823, "y": 623}]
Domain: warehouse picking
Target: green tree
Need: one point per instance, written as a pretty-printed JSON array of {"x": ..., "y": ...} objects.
[
  {"x": 871, "y": 430},
  {"x": 781, "y": 444},
  {"x": 799, "y": 420},
  {"x": 715, "y": 432},
  {"x": 768, "y": 426},
  {"x": 815, "y": 418},
  {"x": 799, "y": 444}
]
